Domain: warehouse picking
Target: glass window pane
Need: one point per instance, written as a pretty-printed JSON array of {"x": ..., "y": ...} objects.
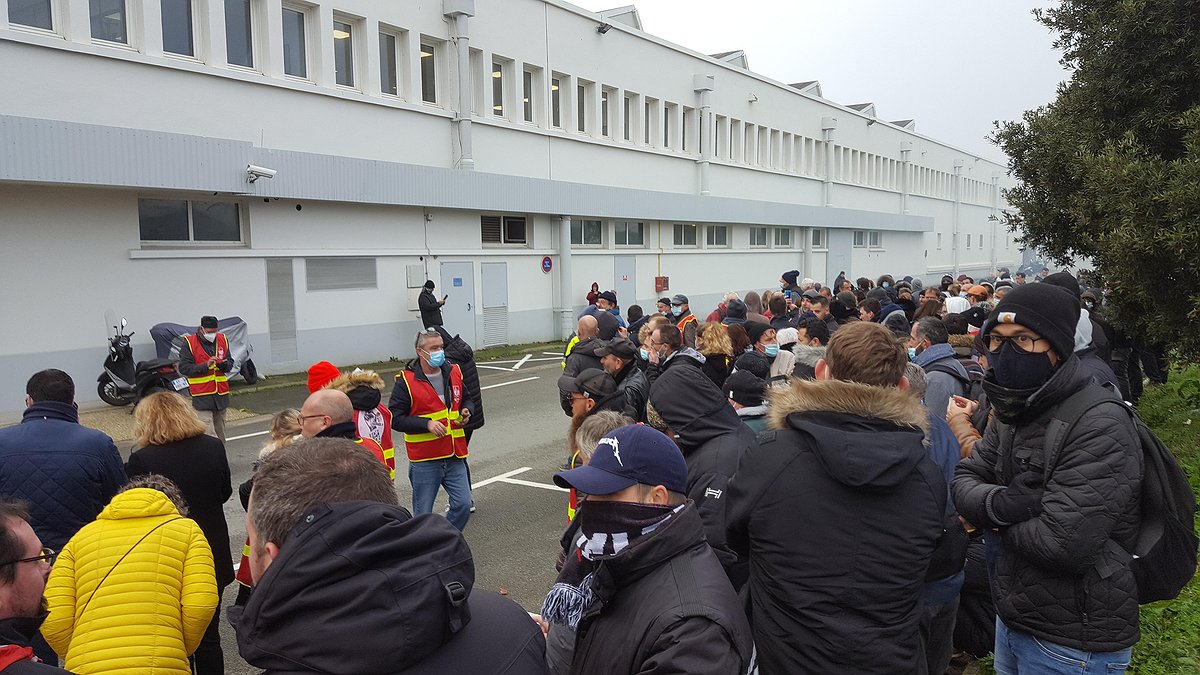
[
  {"x": 555, "y": 104},
  {"x": 635, "y": 234},
  {"x": 604, "y": 113},
  {"x": 527, "y": 94},
  {"x": 108, "y": 20},
  {"x": 163, "y": 219},
  {"x": 239, "y": 36},
  {"x": 387, "y": 64},
  {"x": 428, "y": 74},
  {"x": 295, "y": 59},
  {"x": 32, "y": 13},
  {"x": 343, "y": 54},
  {"x": 514, "y": 230},
  {"x": 177, "y": 27},
  {"x": 581, "y": 108},
  {"x": 591, "y": 232},
  {"x": 216, "y": 221},
  {"x": 497, "y": 89},
  {"x": 576, "y": 232}
]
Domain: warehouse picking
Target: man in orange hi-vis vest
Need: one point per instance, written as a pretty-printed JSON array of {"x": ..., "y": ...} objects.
[
  {"x": 204, "y": 360},
  {"x": 430, "y": 406}
]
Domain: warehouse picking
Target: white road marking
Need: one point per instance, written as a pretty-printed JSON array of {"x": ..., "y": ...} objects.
[
  {"x": 547, "y": 358},
  {"x": 529, "y": 483},
  {"x": 480, "y": 365},
  {"x": 505, "y": 384},
  {"x": 558, "y": 354},
  {"x": 518, "y": 364},
  {"x": 238, "y": 438},
  {"x": 503, "y": 476}
]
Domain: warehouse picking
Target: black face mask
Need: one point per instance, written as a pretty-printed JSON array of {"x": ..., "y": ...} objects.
[{"x": 1015, "y": 369}]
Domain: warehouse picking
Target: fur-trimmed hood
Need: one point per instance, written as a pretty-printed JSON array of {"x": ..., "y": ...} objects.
[
  {"x": 963, "y": 345},
  {"x": 364, "y": 387},
  {"x": 808, "y": 355},
  {"x": 869, "y": 437}
]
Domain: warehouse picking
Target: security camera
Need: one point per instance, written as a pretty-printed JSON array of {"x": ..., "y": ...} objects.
[{"x": 256, "y": 172}]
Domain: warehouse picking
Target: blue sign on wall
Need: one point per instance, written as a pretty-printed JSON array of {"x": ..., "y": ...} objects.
[
  {"x": 458, "y": 282},
  {"x": 547, "y": 264}
]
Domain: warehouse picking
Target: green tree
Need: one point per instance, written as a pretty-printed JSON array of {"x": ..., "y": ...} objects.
[{"x": 1109, "y": 170}]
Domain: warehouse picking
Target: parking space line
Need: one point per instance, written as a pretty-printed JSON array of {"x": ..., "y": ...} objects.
[
  {"x": 518, "y": 364},
  {"x": 480, "y": 365},
  {"x": 505, "y": 384},
  {"x": 529, "y": 483},
  {"x": 238, "y": 438},
  {"x": 503, "y": 476}
]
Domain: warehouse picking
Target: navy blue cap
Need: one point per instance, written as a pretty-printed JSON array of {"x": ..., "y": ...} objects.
[{"x": 625, "y": 457}]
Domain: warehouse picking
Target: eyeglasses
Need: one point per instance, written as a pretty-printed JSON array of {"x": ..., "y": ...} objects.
[
  {"x": 48, "y": 554},
  {"x": 1022, "y": 343},
  {"x": 309, "y": 417}
]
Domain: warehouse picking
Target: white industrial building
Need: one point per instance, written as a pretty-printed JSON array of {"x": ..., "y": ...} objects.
[{"x": 307, "y": 165}]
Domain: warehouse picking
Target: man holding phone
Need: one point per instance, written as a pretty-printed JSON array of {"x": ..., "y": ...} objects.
[
  {"x": 430, "y": 306},
  {"x": 205, "y": 361}
]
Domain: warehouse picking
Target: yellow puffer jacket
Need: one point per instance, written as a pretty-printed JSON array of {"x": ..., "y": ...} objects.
[{"x": 151, "y": 611}]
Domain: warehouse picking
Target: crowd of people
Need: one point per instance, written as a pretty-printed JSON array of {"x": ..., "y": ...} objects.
[{"x": 842, "y": 478}]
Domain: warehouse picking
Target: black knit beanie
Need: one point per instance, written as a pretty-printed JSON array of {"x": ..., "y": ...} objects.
[
  {"x": 1048, "y": 310},
  {"x": 755, "y": 330},
  {"x": 1064, "y": 280}
]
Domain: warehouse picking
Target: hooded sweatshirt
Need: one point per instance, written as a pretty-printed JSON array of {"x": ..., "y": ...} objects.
[
  {"x": 846, "y": 474},
  {"x": 363, "y": 587}
]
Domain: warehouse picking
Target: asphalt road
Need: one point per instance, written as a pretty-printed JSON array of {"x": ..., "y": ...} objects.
[{"x": 520, "y": 514}]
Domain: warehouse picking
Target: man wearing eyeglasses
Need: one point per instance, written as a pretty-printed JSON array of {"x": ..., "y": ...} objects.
[
  {"x": 24, "y": 568},
  {"x": 1057, "y": 535},
  {"x": 431, "y": 406}
]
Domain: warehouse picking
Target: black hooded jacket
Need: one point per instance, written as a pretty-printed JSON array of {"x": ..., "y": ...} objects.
[
  {"x": 458, "y": 351},
  {"x": 663, "y": 606},
  {"x": 364, "y": 588},
  {"x": 582, "y": 356},
  {"x": 839, "y": 511},
  {"x": 17, "y": 633},
  {"x": 712, "y": 438}
]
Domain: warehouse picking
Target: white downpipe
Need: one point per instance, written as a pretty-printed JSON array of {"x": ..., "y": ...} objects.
[
  {"x": 566, "y": 312},
  {"x": 958, "y": 165},
  {"x": 462, "y": 116}
]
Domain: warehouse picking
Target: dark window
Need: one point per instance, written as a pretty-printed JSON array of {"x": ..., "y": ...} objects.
[
  {"x": 387, "y": 64},
  {"x": 555, "y": 104},
  {"x": 215, "y": 221},
  {"x": 180, "y": 220},
  {"x": 343, "y": 53},
  {"x": 108, "y": 20},
  {"x": 295, "y": 59},
  {"x": 527, "y": 95},
  {"x": 428, "y": 73},
  {"x": 177, "y": 27},
  {"x": 163, "y": 219},
  {"x": 586, "y": 232},
  {"x": 32, "y": 13},
  {"x": 497, "y": 89},
  {"x": 502, "y": 229},
  {"x": 239, "y": 33}
]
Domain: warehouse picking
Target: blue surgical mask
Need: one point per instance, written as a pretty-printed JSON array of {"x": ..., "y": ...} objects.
[
  {"x": 437, "y": 359},
  {"x": 912, "y": 353},
  {"x": 885, "y": 284},
  {"x": 676, "y": 310},
  {"x": 771, "y": 350},
  {"x": 644, "y": 354}
]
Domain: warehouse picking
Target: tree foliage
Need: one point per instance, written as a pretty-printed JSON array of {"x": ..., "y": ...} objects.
[{"x": 1109, "y": 170}]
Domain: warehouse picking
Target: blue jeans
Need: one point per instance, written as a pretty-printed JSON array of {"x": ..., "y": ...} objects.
[
  {"x": 426, "y": 477},
  {"x": 1019, "y": 653}
]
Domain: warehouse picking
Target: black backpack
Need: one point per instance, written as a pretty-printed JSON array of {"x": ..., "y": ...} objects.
[
  {"x": 1164, "y": 555},
  {"x": 972, "y": 383}
]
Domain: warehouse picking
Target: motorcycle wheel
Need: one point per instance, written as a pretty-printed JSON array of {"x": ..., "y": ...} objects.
[
  {"x": 249, "y": 372},
  {"x": 107, "y": 390}
]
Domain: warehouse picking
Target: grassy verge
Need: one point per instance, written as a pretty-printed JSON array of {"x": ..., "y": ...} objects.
[{"x": 1170, "y": 642}]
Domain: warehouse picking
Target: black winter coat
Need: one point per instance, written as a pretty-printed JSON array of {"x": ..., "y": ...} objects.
[
  {"x": 458, "y": 351},
  {"x": 401, "y": 404},
  {"x": 1064, "y": 576},
  {"x": 431, "y": 308},
  {"x": 199, "y": 466},
  {"x": 663, "y": 606},
  {"x": 712, "y": 439},
  {"x": 631, "y": 382},
  {"x": 65, "y": 472},
  {"x": 17, "y": 633},
  {"x": 362, "y": 587},
  {"x": 582, "y": 356},
  {"x": 839, "y": 511}
]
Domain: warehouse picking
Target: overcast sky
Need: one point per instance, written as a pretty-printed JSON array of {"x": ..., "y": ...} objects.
[{"x": 953, "y": 65}]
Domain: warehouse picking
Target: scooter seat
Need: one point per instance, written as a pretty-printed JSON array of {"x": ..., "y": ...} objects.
[{"x": 155, "y": 364}]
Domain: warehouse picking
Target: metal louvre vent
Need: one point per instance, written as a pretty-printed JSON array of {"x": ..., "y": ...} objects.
[
  {"x": 337, "y": 274},
  {"x": 489, "y": 227},
  {"x": 495, "y": 326}
]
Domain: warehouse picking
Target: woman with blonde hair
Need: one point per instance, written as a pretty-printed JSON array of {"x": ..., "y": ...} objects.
[
  {"x": 170, "y": 441},
  {"x": 285, "y": 429},
  {"x": 133, "y": 591},
  {"x": 713, "y": 342}
]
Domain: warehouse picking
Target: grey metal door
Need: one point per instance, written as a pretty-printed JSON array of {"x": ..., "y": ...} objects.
[
  {"x": 495, "y": 304},
  {"x": 841, "y": 247},
  {"x": 281, "y": 310},
  {"x": 458, "y": 285},
  {"x": 625, "y": 280}
]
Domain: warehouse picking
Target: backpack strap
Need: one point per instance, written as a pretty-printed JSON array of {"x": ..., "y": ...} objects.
[
  {"x": 122, "y": 558},
  {"x": 1064, "y": 417}
]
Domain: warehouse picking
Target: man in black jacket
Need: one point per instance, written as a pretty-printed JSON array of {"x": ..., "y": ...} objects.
[
  {"x": 430, "y": 306},
  {"x": 1059, "y": 534},
  {"x": 618, "y": 357},
  {"x": 712, "y": 439},
  {"x": 839, "y": 511},
  {"x": 640, "y": 585},
  {"x": 24, "y": 568},
  {"x": 346, "y": 581},
  {"x": 583, "y": 356}
]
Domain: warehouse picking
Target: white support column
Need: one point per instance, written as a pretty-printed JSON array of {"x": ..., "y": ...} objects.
[
  {"x": 958, "y": 165},
  {"x": 905, "y": 151},
  {"x": 458, "y": 11},
  {"x": 703, "y": 85},
  {"x": 73, "y": 20},
  {"x": 211, "y": 46},
  {"x": 828, "y": 125},
  {"x": 267, "y": 19},
  {"x": 566, "y": 313},
  {"x": 320, "y": 41}
]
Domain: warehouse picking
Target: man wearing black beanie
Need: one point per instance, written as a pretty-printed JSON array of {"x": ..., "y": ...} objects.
[{"x": 1060, "y": 527}]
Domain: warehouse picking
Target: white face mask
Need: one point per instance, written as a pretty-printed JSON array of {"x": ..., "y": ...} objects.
[{"x": 211, "y": 337}]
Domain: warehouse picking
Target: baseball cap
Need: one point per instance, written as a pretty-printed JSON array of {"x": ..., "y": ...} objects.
[
  {"x": 679, "y": 299},
  {"x": 627, "y": 456},
  {"x": 592, "y": 381},
  {"x": 620, "y": 347},
  {"x": 810, "y": 294}
]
